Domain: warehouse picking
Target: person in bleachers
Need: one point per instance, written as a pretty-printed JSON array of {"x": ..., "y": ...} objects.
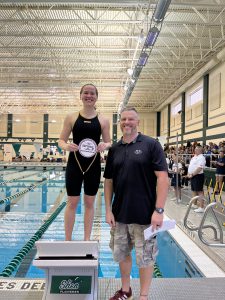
[
  {"x": 207, "y": 154},
  {"x": 184, "y": 178},
  {"x": 220, "y": 170}
]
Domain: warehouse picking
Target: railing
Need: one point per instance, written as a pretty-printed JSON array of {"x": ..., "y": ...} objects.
[
  {"x": 209, "y": 208},
  {"x": 186, "y": 157}
]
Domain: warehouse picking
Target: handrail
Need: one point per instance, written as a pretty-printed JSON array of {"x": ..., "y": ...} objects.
[
  {"x": 187, "y": 214},
  {"x": 201, "y": 226}
]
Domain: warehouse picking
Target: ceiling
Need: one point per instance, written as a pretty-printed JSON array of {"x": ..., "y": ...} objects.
[{"x": 49, "y": 49}]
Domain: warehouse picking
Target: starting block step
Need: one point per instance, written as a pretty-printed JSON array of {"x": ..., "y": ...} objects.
[{"x": 71, "y": 268}]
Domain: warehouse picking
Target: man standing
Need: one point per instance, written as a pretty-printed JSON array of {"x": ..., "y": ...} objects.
[
  {"x": 136, "y": 175},
  {"x": 196, "y": 174}
]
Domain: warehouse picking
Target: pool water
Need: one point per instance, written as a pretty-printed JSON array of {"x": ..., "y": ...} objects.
[{"x": 26, "y": 214}]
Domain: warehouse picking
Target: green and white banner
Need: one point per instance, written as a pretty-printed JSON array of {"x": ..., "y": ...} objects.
[{"x": 71, "y": 285}]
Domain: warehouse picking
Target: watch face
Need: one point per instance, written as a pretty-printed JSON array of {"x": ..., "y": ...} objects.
[{"x": 159, "y": 210}]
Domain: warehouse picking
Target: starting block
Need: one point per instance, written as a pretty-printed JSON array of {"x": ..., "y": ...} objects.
[{"x": 71, "y": 269}]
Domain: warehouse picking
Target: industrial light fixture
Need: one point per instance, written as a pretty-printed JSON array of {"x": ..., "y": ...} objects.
[
  {"x": 137, "y": 72},
  {"x": 161, "y": 10},
  {"x": 158, "y": 16},
  {"x": 151, "y": 37},
  {"x": 130, "y": 71},
  {"x": 141, "y": 37},
  {"x": 142, "y": 59}
]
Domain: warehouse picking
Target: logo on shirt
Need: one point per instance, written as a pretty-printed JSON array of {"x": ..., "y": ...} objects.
[{"x": 138, "y": 152}]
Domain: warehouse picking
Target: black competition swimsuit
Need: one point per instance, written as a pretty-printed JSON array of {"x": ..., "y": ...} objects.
[{"x": 84, "y": 128}]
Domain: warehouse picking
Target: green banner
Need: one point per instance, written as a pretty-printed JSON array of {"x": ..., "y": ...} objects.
[
  {"x": 71, "y": 285},
  {"x": 59, "y": 149},
  {"x": 16, "y": 148}
]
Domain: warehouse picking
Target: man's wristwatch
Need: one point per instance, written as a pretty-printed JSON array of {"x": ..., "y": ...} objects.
[{"x": 159, "y": 210}]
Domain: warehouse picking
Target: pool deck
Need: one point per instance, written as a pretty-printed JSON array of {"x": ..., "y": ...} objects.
[{"x": 161, "y": 289}]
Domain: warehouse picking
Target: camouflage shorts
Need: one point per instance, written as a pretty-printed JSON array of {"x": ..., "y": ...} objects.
[{"x": 124, "y": 237}]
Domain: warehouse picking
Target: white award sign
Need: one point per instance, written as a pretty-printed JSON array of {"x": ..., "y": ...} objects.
[{"x": 87, "y": 148}]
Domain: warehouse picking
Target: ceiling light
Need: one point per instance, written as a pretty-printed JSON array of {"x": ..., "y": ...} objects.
[
  {"x": 137, "y": 72},
  {"x": 161, "y": 10},
  {"x": 130, "y": 71},
  {"x": 141, "y": 37},
  {"x": 151, "y": 37},
  {"x": 142, "y": 59}
]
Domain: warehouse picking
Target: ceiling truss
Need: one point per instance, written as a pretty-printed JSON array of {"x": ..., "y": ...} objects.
[{"x": 49, "y": 49}]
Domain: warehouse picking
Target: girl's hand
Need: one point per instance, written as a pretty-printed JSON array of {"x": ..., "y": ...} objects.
[
  {"x": 103, "y": 146},
  {"x": 72, "y": 147}
]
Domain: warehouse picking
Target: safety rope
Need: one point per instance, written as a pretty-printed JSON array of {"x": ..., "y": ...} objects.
[
  {"x": 157, "y": 272},
  {"x": 14, "y": 179},
  {"x": 16, "y": 195},
  {"x": 16, "y": 261}
]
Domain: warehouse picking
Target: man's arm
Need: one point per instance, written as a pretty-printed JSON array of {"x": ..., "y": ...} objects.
[
  {"x": 162, "y": 192},
  {"x": 196, "y": 172},
  {"x": 108, "y": 192}
]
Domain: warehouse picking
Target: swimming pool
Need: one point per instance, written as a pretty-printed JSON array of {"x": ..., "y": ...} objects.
[{"x": 26, "y": 215}]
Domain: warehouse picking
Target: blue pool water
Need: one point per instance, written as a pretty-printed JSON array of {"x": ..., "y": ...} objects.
[{"x": 25, "y": 215}]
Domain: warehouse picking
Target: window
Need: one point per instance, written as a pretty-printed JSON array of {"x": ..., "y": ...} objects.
[
  {"x": 195, "y": 96},
  {"x": 176, "y": 108}
]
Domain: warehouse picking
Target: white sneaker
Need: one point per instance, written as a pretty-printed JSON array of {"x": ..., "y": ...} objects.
[
  {"x": 179, "y": 200},
  {"x": 173, "y": 199},
  {"x": 194, "y": 206},
  {"x": 199, "y": 210}
]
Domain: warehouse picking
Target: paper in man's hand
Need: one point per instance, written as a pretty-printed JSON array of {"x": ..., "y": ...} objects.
[{"x": 167, "y": 225}]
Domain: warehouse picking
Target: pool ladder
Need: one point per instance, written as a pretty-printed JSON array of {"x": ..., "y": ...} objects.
[{"x": 209, "y": 208}]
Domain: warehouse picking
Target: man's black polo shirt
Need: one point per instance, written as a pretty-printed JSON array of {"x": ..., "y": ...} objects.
[{"x": 132, "y": 166}]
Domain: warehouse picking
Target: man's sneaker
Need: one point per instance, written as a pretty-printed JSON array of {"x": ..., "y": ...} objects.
[
  {"x": 121, "y": 295},
  {"x": 199, "y": 210},
  {"x": 179, "y": 200}
]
